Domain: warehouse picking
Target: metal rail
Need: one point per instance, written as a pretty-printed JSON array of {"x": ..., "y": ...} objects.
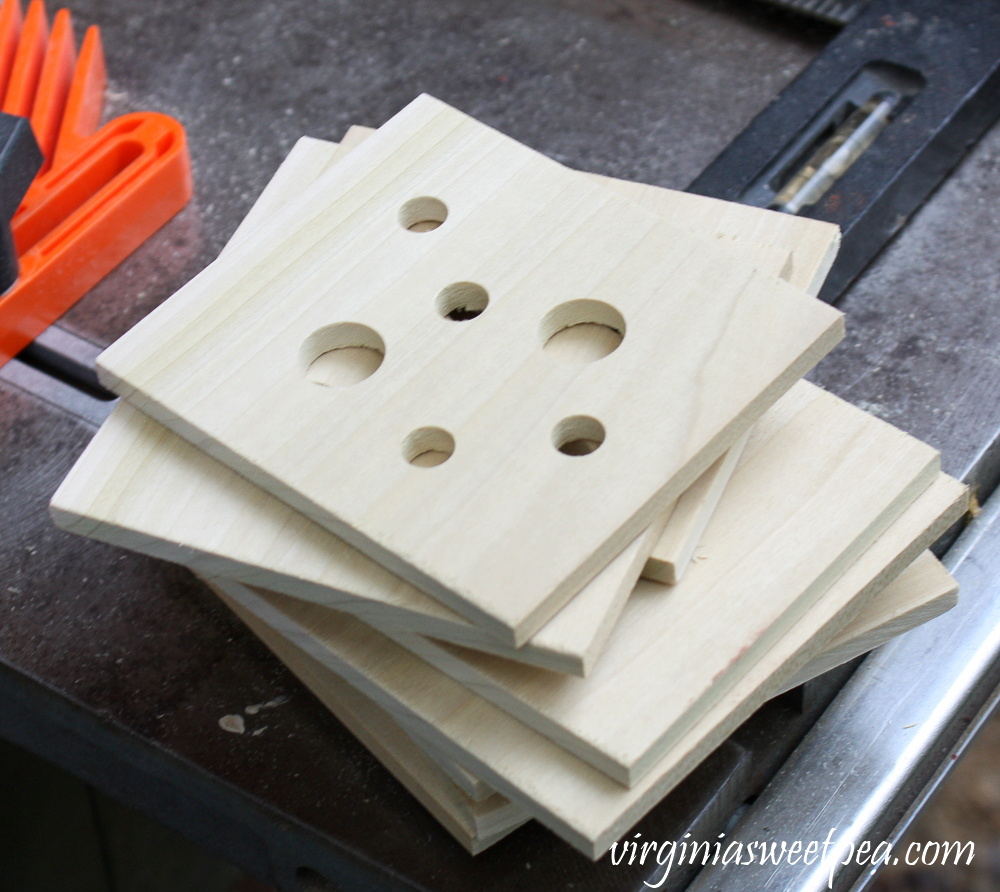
[{"x": 881, "y": 749}]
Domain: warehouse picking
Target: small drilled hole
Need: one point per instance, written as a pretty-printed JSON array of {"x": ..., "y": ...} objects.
[
  {"x": 422, "y": 214},
  {"x": 582, "y": 331},
  {"x": 578, "y": 435},
  {"x": 462, "y": 301},
  {"x": 428, "y": 446},
  {"x": 342, "y": 354}
]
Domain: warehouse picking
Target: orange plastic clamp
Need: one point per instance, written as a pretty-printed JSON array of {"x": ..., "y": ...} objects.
[
  {"x": 53, "y": 86},
  {"x": 79, "y": 221},
  {"x": 20, "y": 94},
  {"x": 85, "y": 99},
  {"x": 99, "y": 195}
]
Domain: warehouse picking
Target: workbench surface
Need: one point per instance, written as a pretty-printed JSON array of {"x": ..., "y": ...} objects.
[{"x": 119, "y": 667}]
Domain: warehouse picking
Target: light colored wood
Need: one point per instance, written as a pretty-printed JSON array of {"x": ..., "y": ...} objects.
[
  {"x": 693, "y": 510},
  {"x": 509, "y": 528},
  {"x": 800, "y": 508},
  {"x": 796, "y": 249},
  {"x": 921, "y": 592},
  {"x": 812, "y": 244},
  {"x": 577, "y": 802},
  {"x": 306, "y": 162},
  {"x": 585, "y": 623},
  {"x": 925, "y": 590},
  {"x": 804, "y": 256},
  {"x": 142, "y": 487},
  {"x": 475, "y": 824},
  {"x": 124, "y": 490},
  {"x": 570, "y": 642},
  {"x": 473, "y": 787},
  {"x": 483, "y": 821}
]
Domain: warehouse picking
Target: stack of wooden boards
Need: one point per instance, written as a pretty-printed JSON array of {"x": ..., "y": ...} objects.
[{"x": 441, "y": 402}]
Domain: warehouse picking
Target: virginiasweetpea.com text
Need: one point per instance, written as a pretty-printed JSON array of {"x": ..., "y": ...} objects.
[{"x": 831, "y": 853}]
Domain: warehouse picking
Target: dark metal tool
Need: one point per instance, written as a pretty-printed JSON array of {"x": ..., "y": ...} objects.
[
  {"x": 868, "y": 130},
  {"x": 20, "y": 160}
]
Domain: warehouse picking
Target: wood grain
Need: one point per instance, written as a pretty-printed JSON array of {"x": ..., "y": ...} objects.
[
  {"x": 812, "y": 244},
  {"x": 582, "y": 805},
  {"x": 473, "y": 787},
  {"x": 572, "y": 640},
  {"x": 796, "y": 249},
  {"x": 142, "y": 487},
  {"x": 818, "y": 483},
  {"x": 922, "y": 591},
  {"x": 496, "y": 531},
  {"x": 925, "y": 590},
  {"x": 672, "y": 553},
  {"x": 102, "y": 502},
  {"x": 124, "y": 491}
]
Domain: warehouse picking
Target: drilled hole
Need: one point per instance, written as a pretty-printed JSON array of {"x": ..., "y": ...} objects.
[
  {"x": 342, "y": 354},
  {"x": 582, "y": 331},
  {"x": 422, "y": 214},
  {"x": 462, "y": 301},
  {"x": 578, "y": 435},
  {"x": 428, "y": 446}
]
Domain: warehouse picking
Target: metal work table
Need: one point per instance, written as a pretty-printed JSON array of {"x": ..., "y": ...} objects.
[{"x": 118, "y": 667}]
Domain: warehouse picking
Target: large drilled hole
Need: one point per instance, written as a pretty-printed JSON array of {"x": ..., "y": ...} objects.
[
  {"x": 462, "y": 301},
  {"x": 428, "y": 446},
  {"x": 422, "y": 214},
  {"x": 582, "y": 331},
  {"x": 578, "y": 435},
  {"x": 342, "y": 354}
]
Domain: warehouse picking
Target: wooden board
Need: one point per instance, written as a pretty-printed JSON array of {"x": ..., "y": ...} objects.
[
  {"x": 571, "y": 641},
  {"x": 803, "y": 256},
  {"x": 473, "y": 787},
  {"x": 819, "y": 481},
  {"x": 305, "y": 163},
  {"x": 508, "y": 528},
  {"x": 675, "y": 548},
  {"x": 926, "y": 590},
  {"x": 142, "y": 487},
  {"x": 921, "y": 592},
  {"x": 109, "y": 496},
  {"x": 796, "y": 249},
  {"x": 579, "y": 803},
  {"x": 124, "y": 491},
  {"x": 811, "y": 244}
]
